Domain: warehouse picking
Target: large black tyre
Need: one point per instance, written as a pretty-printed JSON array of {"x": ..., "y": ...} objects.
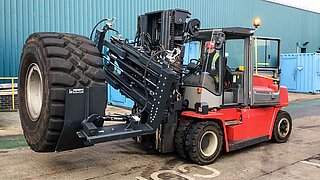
[
  {"x": 282, "y": 127},
  {"x": 204, "y": 142},
  {"x": 50, "y": 63},
  {"x": 180, "y": 138}
]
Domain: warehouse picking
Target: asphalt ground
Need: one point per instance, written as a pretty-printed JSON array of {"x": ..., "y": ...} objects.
[{"x": 299, "y": 158}]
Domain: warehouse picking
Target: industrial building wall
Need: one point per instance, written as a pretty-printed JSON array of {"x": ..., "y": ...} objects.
[{"x": 19, "y": 18}]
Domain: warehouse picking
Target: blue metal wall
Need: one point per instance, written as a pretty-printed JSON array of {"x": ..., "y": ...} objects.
[
  {"x": 301, "y": 72},
  {"x": 19, "y": 18}
]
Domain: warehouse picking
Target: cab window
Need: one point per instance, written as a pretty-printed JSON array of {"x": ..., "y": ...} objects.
[
  {"x": 235, "y": 53},
  {"x": 266, "y": 55}
]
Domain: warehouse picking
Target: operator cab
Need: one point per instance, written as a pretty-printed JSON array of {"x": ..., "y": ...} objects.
[{"x": 246, "y": 70}]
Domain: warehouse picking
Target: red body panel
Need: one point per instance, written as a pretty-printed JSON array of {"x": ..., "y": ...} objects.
[
  {"x": 261, "y": 84},
  {"x": 255, "y": 121},
  {"x": 284, "y": 100}
]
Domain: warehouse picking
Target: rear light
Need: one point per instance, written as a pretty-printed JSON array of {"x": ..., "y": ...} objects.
[
  {"x": 201, "y": 108},
  {"x": 199, "y": 90}
]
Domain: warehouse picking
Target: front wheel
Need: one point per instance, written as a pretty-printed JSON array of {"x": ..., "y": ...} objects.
[
  {"x": 282, "y": 127},
  {"x": 204, "y": 142},
  {"x": 180, "y": 138}
]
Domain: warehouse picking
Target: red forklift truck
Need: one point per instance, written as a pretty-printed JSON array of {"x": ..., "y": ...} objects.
[{"x": 227, "y": 98}]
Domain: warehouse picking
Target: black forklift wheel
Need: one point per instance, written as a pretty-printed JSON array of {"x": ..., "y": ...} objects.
[
  {"x": 204, "y": 142},
  {"x": 180, "y": 138},
  {"x": 50, "y": 63},
  {"x": 282, "y": 127}
]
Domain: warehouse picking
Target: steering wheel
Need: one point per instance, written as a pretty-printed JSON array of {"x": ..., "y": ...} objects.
[{"x": 197, "y": 61}]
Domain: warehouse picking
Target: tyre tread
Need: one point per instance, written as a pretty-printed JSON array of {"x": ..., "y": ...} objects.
[
  {"x": 191, "y": 140},
  {"x": 180, "y": 138},
  {"x": 72, "y": 61}
]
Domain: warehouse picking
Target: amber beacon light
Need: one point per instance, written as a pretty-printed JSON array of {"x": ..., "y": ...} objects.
[{"x": 256, "y": 22}]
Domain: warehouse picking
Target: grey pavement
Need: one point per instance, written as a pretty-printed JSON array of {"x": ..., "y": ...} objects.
[{"x": 299, "y": 158}]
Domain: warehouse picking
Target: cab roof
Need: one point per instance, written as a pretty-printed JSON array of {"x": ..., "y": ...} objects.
[{"x": 230, "y": 32}]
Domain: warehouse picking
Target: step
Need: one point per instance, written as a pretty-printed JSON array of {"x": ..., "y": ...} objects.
[{"x": 232, "y": 122}]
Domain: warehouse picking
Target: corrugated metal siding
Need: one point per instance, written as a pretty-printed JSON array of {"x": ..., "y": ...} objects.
[
  {"x": 301, "y": 72},
  {"x": 19, "y": 18}
]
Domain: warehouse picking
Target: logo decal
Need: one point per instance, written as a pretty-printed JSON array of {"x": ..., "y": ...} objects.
[{"x": 76, "y": 91}]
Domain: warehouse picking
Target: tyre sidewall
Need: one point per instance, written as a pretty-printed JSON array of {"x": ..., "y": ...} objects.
[
  {"x": 209, "y": 159},
  {"x": 33, "y": 130},
  {"x": 276, "y": 136}
]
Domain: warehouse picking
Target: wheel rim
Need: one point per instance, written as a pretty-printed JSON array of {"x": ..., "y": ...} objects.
[
  {"x": 208, "y": 143},
  {"x": 283, "y": 127},
  {"x": 34, "y": 91}
]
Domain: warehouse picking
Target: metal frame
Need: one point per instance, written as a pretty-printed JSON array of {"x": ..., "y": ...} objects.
[
  {"x": 12, "y": 93},
  {"x": 151, "y": 84},
  {"x": 263, "y": 98}
]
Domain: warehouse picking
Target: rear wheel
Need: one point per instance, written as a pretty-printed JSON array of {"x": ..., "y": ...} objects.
[
  {"x": 282, "y": 127},
  {"x": 50, "y": 63},
  {"x": 204, "y": 142}
]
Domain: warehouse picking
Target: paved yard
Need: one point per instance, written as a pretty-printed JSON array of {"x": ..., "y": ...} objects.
[{"x": 299, "y": 158}]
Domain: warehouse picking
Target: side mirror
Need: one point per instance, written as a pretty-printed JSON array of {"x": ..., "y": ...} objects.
[
  {"x": 192, "y": 27},
  {"x": 220, "y": 38}
]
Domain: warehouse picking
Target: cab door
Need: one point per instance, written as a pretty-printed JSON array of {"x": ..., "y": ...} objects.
[{"x": 264, "y": 87}]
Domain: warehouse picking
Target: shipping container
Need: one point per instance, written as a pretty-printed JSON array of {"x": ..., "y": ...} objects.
[
  {"x": 300, "y": 72},
  {"x": 117, "y": 99}
]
